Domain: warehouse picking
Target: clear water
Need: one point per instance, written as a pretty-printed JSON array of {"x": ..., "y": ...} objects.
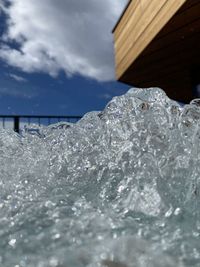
[{"x": 120, "y": 188}]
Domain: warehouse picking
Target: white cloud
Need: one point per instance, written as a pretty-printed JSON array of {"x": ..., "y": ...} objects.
[
  {"x": 17, "y": 78},
  {"x": 70, "y": 35},
  {"x": 1, "y": 6}
]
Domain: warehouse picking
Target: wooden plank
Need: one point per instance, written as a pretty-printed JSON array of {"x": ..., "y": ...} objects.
[
  {"x": 134, "y": 19},
  {"x": 181, "y": 19},
  {"x": 163, "y": 76},
  {"x": 169, "y": 69},
  {"x": 178, "y": 57},
  {"x": 182, "y": 54},
  {"x": 122, "y": 15},
  {"x": 126, "y": 17},
  {"x": 131, "y": 16},
  {"x": 188, "y": 4},
  {"x": 167, "y": 11},
  {"x": 159, "y": 71},
  {"x": 145, "y": 13},
  {"x": 183, "y": 33}
]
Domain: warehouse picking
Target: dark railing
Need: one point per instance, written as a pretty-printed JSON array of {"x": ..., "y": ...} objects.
[{"x": 17, "y": 119}]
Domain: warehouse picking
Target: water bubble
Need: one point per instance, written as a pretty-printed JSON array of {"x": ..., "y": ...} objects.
[
  {"x": 177, "y": 211},
  {"x": 12, "y": 242},
  {"x": 53, "y": 262}
]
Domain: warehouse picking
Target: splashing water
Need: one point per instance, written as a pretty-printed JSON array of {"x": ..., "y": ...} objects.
[{"x": 120, "y": 188}]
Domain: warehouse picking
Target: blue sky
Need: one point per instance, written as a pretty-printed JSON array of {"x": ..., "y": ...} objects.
[{"x": 56, "y": 57}]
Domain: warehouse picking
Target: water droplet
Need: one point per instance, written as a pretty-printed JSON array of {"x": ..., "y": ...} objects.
[{"x": 12, "y": 242}]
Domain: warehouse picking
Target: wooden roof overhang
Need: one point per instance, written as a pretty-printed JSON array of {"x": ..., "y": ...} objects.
[{"x": 157, "y": 44}]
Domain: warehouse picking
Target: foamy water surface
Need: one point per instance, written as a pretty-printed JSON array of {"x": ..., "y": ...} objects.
[{"x": 120, "y": 188}]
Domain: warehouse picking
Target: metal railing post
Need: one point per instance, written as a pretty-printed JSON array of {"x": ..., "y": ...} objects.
[{"x": 16, "y": 124}]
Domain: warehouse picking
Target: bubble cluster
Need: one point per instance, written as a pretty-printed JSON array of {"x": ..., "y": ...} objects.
[{"x": 120, "y": 188}]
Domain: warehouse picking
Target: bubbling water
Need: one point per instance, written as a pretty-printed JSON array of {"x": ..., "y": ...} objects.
[{"x": 120, "y": 188}]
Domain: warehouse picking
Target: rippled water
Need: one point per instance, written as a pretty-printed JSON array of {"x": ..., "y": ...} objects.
[{"x": 120, "y": 188}]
